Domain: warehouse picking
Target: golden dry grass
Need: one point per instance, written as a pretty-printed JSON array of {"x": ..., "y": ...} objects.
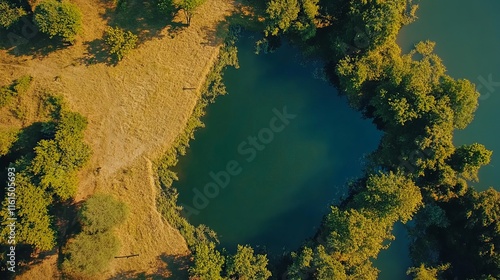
[{"x": 135, "y": 110}]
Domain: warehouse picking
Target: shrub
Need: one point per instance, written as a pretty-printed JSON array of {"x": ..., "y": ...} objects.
[
  {"x": 22, "y": 84},
  {"x": 7, "y": 138},
  {"x": 119, "y": 42},
  {"x": 6, "y": 95},
  {"x": 61, "y": 19},
  {"x": 9, "y": 15},
  {"x": 90, "y": 254},
  {"x": 102, "y": 212}
]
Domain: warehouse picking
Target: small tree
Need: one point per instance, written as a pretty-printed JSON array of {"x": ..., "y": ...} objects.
[
  {"x": 120, "y": 42},
  {"x": 189, "y": 6},
  {"x": 102, "y": 212},
  {"x": 61, "y": 19},
  {"x": 88, "y": 255}
]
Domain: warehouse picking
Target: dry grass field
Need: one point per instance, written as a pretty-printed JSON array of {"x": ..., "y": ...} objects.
[{"x": 135, "y": 110}]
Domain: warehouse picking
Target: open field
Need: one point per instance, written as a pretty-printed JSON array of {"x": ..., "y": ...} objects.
[{"x": 135, "y": 110}]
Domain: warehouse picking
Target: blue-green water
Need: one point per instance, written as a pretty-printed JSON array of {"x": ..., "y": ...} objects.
[{"x": 281, "y": 186}]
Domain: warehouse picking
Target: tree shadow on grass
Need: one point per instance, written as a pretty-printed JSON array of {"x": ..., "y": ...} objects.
[
  {"x": 144, "y": 19},
  {"x": 176, "y": 268},
  {"x": 97, "y": 52},
  {"x": 25, "y": 39}
]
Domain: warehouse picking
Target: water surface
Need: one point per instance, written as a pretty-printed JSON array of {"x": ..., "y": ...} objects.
[{"x": 282, "y": 188}]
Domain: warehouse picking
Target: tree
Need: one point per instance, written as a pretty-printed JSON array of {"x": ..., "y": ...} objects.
[
  {"x": 189, "y": 6},
  {"x": 208, "y": 262},
  {"x": 33, "y": 224},
  {"x": 120, "y": 42},
  {"x": 427, "y": 273},
  {"x": 281, "y": 15},
  {"x": 468, "y": 159},
  {"x": 9, "y": 15},
  {"x": 355, "y": 236},
  {"x": 463, "y": 99},
  {"x": 102, "y": 212},
  {"x": 7, "y": 139},
  {"x": 392, "y": 196},
  {"x": 245, "y": 265},
  {"x": 61, "y": 19},
  {"x": 88, "y": 255},
  {"x": 57, "y": 160}
]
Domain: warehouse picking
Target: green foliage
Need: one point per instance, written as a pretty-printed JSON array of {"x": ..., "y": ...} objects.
[
  {"x": 88, "y": 255},
  {"x": 33, "y": 225},
  {"x": 17, "y": 88},
  {"x": 467, "y": 160},
  {"x": 189, "y": 7},
  {"x": 208, "y": 262},
  {"x": 463, "y": 99},
  {"x": 102, "y": 212},
  {"x": 426, "y": 273},
  {"x": 57, "y": 160},
  {"x": 22, "y": 84},
  {"x": 281, "y": 14},
  {"x": 6, "y": 95},
  {"x": 245, "y": 265},
  {"x": 392, "y": 196},
  {"x": 61, "y": 19},
  {"x": 7, "y": 138},
  {"x": 119, "y": 42},
  {"x": 48, "y": 174},
  {"x": 9, "y": 15}
]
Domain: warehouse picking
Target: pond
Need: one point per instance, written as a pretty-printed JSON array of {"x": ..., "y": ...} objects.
[{"x": 280, "y": 146}]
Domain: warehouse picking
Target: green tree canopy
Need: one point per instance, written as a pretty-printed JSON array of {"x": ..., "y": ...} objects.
[
  {"x": 392, "y": 196},
  {"x": 62, "y": 19},
  {"x": 245, "y": 265},
  {"x": 467, "y": 160},
  {"x": 102, "y": 212},
  {"x": 33, "y": 225},
  {"x": 9, "y": 14},
  {"x": 208, "y": 262},
  {"x": 120, "y": 42},
  {"x": 88, "y": 255},
  {"x": 57, "y": 160}
]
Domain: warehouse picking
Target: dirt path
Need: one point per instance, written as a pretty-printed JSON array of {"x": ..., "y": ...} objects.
[{"x": 135, "y": 111}]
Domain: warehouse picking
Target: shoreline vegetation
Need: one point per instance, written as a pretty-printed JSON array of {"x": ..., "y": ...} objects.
[{"x": 416, "y": 173}]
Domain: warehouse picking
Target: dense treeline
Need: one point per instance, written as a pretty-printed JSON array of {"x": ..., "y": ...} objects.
[{"x": 417, "y": 106}]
